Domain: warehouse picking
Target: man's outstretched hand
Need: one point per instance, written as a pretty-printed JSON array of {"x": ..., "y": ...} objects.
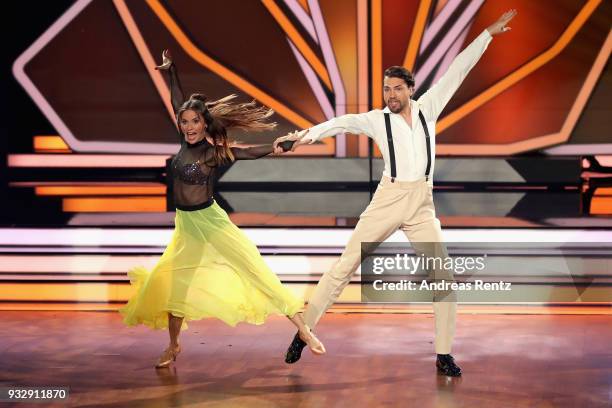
[
  {"x": 499, "y": 26},
  {"x": 295, "y": 137}
]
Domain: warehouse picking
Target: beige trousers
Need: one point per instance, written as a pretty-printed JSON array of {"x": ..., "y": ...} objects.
[{"x": 405, "y": 205}]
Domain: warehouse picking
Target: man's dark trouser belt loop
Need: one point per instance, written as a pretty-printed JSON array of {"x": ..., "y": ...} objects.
[
  {"x": 391, "y": 149},
  {"x": 428, "y": 168}
]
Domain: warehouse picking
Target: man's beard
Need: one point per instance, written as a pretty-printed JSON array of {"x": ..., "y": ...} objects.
[{"x": 398, "y": 109}]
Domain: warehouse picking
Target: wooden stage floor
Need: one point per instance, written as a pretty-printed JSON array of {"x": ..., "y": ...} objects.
[{"x": 373, "y": 360}]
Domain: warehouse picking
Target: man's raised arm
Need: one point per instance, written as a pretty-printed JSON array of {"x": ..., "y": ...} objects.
[{"x": 435, "y": 99}]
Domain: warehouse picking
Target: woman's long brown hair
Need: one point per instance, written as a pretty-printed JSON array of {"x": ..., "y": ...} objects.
[{"x": 221, "y": 115}]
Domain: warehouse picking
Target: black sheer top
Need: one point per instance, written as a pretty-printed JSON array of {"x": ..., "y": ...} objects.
[{"x": 193, "y": 168}]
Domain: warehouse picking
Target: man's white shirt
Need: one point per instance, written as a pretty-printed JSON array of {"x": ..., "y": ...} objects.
[{"x": 409, "y": 142}]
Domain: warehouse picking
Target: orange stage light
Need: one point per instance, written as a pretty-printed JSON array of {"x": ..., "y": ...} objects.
[
  {"x": 123, "y": 204},
  {"x": 601, "y": 205},
  {"x": 376, "y": 38},
  {"x": 87, "y": 160},
  {"x": 50, "y": 143},
  {"x": 603, "y": 191},
  {"x": 99, "y": 190}
]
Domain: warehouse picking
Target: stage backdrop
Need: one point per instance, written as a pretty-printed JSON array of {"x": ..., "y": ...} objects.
[{"x": 543, "y": 86}]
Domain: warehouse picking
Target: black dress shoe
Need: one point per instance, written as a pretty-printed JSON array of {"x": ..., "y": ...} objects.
[
  {"x": 294, "y": 352},
  {"x": 446, "y": 365}
]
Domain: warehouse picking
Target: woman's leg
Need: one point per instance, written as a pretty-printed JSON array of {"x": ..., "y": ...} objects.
[
  {"x": 169, "y": 354},
  {"x": 174, "y": 328}
]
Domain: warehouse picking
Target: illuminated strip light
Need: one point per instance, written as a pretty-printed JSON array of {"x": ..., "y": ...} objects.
[
  {"x": 107, "y": 264},
  {"x": 332, "y": 66},
  {"x": 605, "y": 161},
  {"x": 362, "y": 68},
  {"x": 54, "y": 143},
  {"x": 99, "y": 190},
  {"x": 603, "y": 191},
  {"x": 303, "y": 17},
  {"x": 434, "y": 28},
  {"x": 523, "y": 71},
  {"x": 417, "y": 34},
  {"x": 86, "y": 160},
  {"x": 578, "y": 149},
  {"x": 362, "y": 55},
  {"x": 28, "y": 278},
  {"x": 546, "y": 140},
  {"x": 222, "y": 71},
  {"x": 442, "y": 48},
  {"x": 79, "y": 237},
  {"x": 601, "y": 205},
  {"x": 73, "y": 292},
  {"x": 376, "y": 45},
  {"x": 314, "y": 83},
  {"x": 56, "y": 306},
  {"x": 453, "y": 51},
  {"x": 114, "y": 204},
  {"x": 280, "y": 237},
  {"x": 81, "y": 250},
  {"x": 83, "y": 183},
  {"x": 297, "y": 39},
  {"x": 78, "y": 279},
  {"x": 376, "y": 59},
  {"x": 113, "y": 292}
]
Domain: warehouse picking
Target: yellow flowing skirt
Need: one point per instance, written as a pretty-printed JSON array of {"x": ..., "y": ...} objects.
[{"x": 209, "y": 269}]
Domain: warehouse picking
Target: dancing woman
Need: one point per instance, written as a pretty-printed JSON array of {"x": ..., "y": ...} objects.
[{"x": 210, "y": 268}]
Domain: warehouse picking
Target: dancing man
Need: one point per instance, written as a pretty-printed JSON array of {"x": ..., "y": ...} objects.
[{"x": 404, "y": 131}]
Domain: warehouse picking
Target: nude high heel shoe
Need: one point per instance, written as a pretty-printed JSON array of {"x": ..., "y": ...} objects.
[
  {"x": 168, "y": 356},
  {"x": 314, "y": 344}
]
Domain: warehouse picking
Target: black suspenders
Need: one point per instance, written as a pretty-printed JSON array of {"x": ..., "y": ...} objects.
[
  {"x": 392, "y": 149},
  {"x": 428, "y": 145}
]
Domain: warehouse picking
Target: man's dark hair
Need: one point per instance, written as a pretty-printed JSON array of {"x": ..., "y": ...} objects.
[{"x": 400, "y": 72}]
